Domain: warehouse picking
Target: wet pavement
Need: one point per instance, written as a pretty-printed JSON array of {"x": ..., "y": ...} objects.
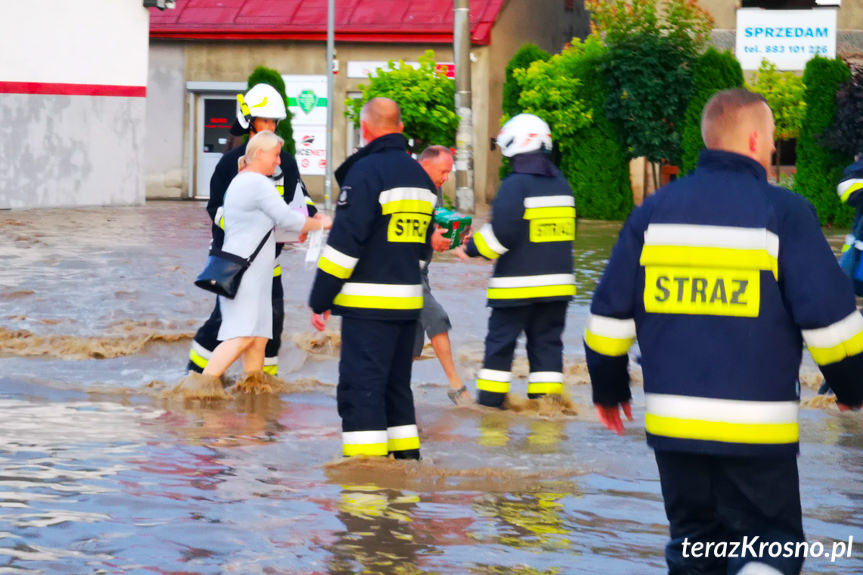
[{"x": 99, "y": 474}]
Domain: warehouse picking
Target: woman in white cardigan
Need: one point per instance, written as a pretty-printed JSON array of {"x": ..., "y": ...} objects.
[{"x": 252, "y": 208}]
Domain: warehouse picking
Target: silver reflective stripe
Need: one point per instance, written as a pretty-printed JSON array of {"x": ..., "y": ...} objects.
[
  {"x": 382, "y": 290},
  {"x": 402, "y": 432},
  {"x": 531, "y": 281},
  {"x": 201, "y": 350},
  {"x": 364, "y": 437},
  {"x": 611, "y": 327},
  {"x": 545, "y": 377},
  {"x": 401, "y": 194},
  {"x": 549, "y": 202},
  {"x": 339, "y": 258},
  {"x": 712, "y": 237},
  {"x": 487, "y": 233},
  {"x": 494, "y": 375},
  {"x": 727, "y": 410},
  {"x": 847, "y": 185},
  {"x": 834, "y": 334}
]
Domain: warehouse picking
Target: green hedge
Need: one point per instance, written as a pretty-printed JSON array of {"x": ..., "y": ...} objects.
[
  {"x": 819, "y": 168},
  {"x": 712, "y": 72},
  {"x": 263, "y": 75}
]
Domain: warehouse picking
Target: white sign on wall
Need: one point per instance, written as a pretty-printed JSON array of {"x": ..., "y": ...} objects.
[
  {"x": 788, "y": 38},
  {"x": 307, "y": 101}
]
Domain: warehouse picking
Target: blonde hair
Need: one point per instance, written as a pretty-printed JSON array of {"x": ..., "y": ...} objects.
[{"x": 265, "y": 140}]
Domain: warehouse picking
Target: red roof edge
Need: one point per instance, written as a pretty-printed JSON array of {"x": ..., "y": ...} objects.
[{"x": 352, "y": 36}]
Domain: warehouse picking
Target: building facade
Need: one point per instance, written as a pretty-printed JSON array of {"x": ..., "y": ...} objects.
[
  {"x": 72, "y": 99},
  {"x": 200, "y": 59}
]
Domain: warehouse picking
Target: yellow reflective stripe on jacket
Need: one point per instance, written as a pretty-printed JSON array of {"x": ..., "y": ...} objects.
[
  {"x": 558, "y": 212},
  {"x": 337, "y": 263},
  {"x": 403, "y": 438},
  {"x": 725, "y": 420},
  {"x": 493, "y": 380},
  {"x": 364, "y": 443},
  {"x": 608, "y": 335},
  {"x": 380, "y": 296},
  {"x": 417, "y": 200},
  {"x": 548, "y": 382},
  {"x": 523, "y": 287},
  {"x": 309, "y": 201},
  {"x": 277, "y": 271},
  {"x": 487, "y": 243},
  {"x": 848, "y": 187},
  {"x": 711, "y": 246},
  {"x": 837, "y": 341}
]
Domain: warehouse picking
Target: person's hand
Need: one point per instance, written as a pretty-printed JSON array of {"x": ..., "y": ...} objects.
[
  {"x": 325, "y": 221},
  {"x": 319, "y": 320},
  {"x": 438, "y": 242},
  {"x": 461, "y": 254},
  {"x": 609, "y": 416}
]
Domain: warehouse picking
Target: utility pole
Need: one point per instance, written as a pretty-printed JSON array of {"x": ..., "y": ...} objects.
[
  {"x": 464, "y": 193},
  {"x": 331, "y": 48}
]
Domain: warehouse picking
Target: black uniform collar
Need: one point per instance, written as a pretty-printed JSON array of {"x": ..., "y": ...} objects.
[
  {"x": 730, "y": 161},
  {"x": 535, "y": 163},
  {"x": 397, "y": 141}
]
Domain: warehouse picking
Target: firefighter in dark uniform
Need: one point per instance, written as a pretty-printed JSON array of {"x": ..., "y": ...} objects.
[
  {"x": 530, "y": 236},
  {"x": 261, "y": 108},
  {"x": 723, "y": 276},
  {"x": 850, "y": 190},
  {"x": 369, "y": 273}
]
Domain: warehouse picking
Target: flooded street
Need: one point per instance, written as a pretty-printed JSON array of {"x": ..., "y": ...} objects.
[{"x": 101, "y": 474}]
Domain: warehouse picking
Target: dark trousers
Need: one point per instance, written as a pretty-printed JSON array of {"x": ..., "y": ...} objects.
[
  {"x": 374, "y": 391},
  {"x": 714, "y": 498},
  {"x": 542, "y": 324},
  {"x": 207, "y": 336}
]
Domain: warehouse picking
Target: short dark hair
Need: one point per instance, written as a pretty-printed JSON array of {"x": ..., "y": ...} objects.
[
  {"x": 433, "y": 152},
  {"x": 722, "y": 112}
]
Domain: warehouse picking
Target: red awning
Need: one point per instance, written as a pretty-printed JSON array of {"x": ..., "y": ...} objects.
[{"x": 415, "y": 21}]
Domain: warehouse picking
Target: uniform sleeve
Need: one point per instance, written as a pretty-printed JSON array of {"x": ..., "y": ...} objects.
[
  {"x": 355, "y": 216},
  {"x": 497, "y": 236},
  {"x": 850, "y": 188},
  {"x": 271, "y": 203},
  {"x": 611, "y": 326},
  {"x": 820, "y": 299},
  {"x": 289, "y": 166}
]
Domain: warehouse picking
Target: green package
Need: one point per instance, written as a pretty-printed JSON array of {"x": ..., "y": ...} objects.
[{"x": 456, "y": 224}]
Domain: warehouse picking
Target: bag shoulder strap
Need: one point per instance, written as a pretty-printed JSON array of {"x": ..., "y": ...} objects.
[{"x": 252, "y": 257}]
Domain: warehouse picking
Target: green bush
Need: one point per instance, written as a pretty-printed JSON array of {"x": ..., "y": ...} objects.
[
  {"x": 426, "y": 98},
  {"x": 263, "y": 75},
  {"x": 568, "y": 92},
  {"x": 819, "y": 168},
  {"x": 846, "y": 134},
  {"x": 712, "y": 72},
  {"x": 522, "y": 59}
]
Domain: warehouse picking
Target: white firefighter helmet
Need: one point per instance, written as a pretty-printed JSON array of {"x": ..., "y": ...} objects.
[
  {"x": 261, "y": 101},
  {"x": 524, "y": 133}
]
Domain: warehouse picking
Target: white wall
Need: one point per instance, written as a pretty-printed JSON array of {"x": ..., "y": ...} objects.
[{"x": 73, "y": 78}]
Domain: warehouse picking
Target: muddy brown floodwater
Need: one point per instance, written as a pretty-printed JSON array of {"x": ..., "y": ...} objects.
[{"x": 102, "y": 472}]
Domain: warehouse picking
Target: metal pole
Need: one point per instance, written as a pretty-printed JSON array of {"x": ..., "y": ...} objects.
[
  {"x": 464, "y": 193},
  {"x": 328, "y": 172}
]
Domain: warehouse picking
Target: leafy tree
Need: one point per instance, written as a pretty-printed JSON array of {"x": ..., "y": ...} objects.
[
  {"x": 568, "y": 92},
  {"x": 652, "y": 45},
  {"x": 263, "y": 75},
  {"x": 819, "y": 168},
  {"x": 784, "y": 92},
  {"x": 846, "y": 133},
  {"x": 426, "y": 98},
  {"x": 712, "y": 72},
  {"x": 522, "y": 59}
]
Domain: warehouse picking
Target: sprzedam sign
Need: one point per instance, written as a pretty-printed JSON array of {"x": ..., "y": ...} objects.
[{"x": 787, "y": 38}]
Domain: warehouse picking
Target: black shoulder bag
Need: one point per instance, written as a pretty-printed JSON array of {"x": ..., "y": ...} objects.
[{"x": 224, "y": 270}]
